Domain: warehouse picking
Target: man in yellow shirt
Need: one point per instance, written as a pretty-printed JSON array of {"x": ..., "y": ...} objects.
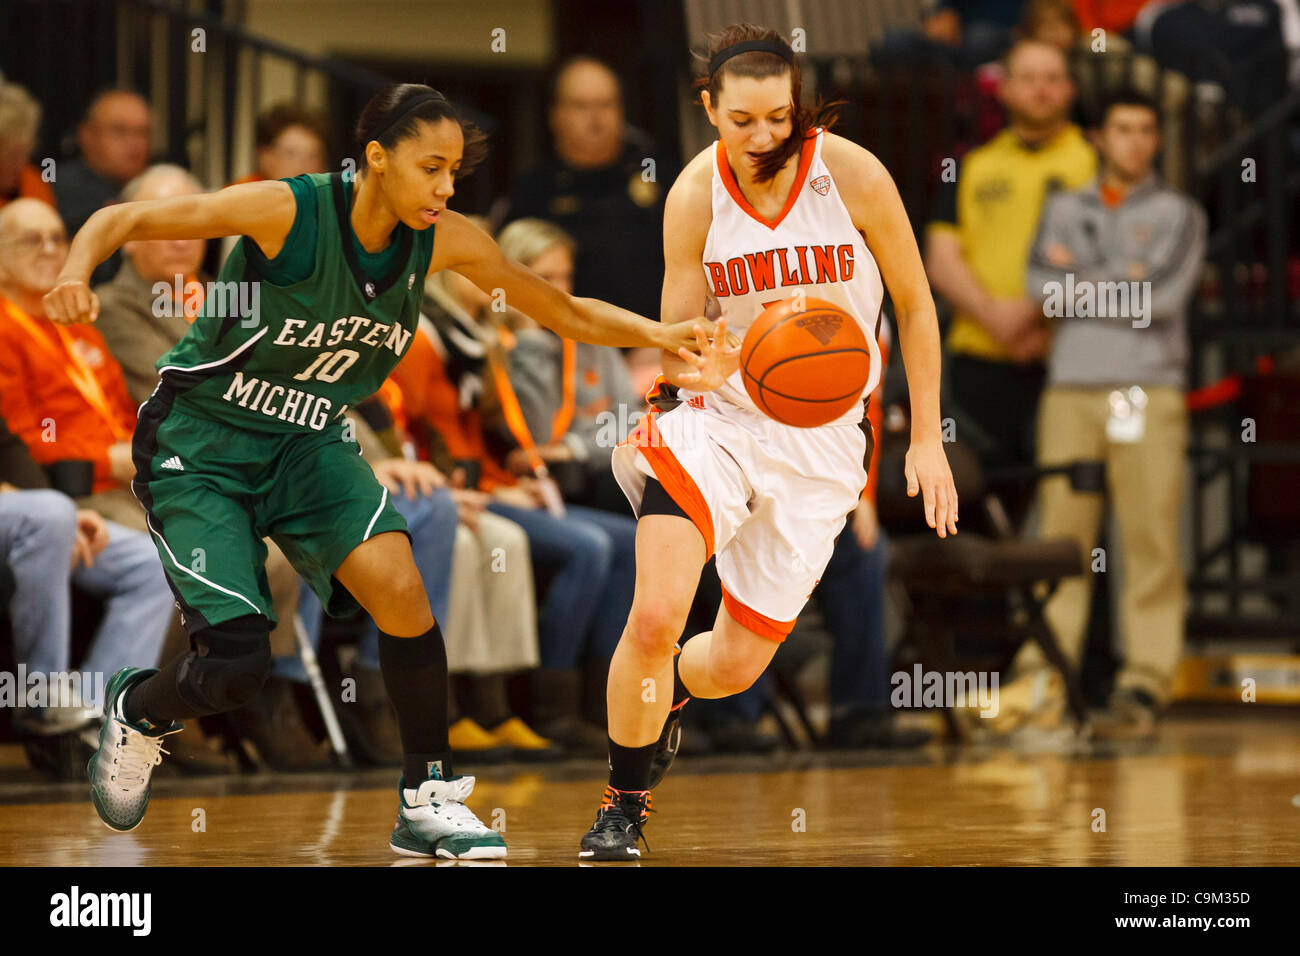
[{"x": 977, "y": 250}]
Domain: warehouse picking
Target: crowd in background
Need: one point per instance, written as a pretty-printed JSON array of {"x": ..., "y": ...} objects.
[{"x": 494, "y": 435}]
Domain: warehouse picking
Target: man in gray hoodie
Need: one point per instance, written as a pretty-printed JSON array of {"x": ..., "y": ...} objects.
[{"x": 1115, "y": 265}]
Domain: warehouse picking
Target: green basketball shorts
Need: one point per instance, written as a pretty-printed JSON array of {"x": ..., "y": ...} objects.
[{"x": 212, "y": 492}]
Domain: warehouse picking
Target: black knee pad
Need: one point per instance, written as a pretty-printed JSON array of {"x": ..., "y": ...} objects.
[{"x": 227, "y": 666}]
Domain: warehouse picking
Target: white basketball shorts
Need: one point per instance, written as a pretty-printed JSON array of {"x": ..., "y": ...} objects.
[{"x": 768, "y": 498}]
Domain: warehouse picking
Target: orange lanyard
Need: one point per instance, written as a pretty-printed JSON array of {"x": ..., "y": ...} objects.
[
  {"x": 83, "y": 378},
  {"x": 514, "y": 413},
  {"x": 564, "y": 418},
  {"x": 515, "y": 417}
]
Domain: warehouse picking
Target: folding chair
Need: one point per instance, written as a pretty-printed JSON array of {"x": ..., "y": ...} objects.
[{"x": 947, "y": 579}]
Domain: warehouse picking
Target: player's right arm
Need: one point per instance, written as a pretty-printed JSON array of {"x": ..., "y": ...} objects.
[
  {"x": 688, "y": 213},
  {"x": 262, "y": 211}
]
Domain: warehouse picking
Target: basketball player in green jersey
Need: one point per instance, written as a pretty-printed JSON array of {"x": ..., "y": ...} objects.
[{"x": 244, "y": 437}]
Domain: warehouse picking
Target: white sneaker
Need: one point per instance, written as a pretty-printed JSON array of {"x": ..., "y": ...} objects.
[
  {"x": 120, "y": 770},
  {"x": 434, "y": 821}
]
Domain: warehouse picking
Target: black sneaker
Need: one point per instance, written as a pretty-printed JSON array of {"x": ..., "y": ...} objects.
[
  {"x": 873, "y": 730},
  {"x": 618, "y": 826},
  {"x": 734, "y": 735},
  {"x": 670, "y": 741}
]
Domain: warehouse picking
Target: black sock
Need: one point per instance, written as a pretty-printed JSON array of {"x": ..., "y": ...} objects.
[
  {"x": 156, "y": 701},
  {"x": 680, "y": 694},
  {"x": 415, "y": 676},
  {"x": 629, "y": 767}
]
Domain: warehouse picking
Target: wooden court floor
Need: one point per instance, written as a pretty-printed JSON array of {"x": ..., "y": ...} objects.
[{"x": 1210, "y": 791}]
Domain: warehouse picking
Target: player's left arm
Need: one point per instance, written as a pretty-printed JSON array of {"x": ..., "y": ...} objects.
[
  {"x": 461, "y": 246},
  {"x": 877, "y": 210}
]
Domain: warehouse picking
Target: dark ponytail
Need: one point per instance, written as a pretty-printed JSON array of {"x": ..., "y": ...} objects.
[
  {"x": 760, "y": 64},
  {"x": 392, "y": 114}
]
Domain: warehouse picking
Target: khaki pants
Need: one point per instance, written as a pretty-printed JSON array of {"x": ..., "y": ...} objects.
[
  {"x": 491, "y": 625},
  {"x": 1144, "y": 482}
]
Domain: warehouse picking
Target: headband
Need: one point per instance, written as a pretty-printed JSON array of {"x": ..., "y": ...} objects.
[
  {"x": 750, "y": 46},
  {"x": 416, "y": 101}
]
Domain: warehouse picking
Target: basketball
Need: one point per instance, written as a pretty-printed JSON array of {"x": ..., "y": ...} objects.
[{"x": 805, "y": 366}]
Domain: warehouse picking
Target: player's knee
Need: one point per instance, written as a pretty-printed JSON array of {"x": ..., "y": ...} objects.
[
  {"x": 229, "y": 664},
  {"x": 655, "y": 628},
  {"x": 734, "y": 677},
  {"x": 406, "y": 610}
]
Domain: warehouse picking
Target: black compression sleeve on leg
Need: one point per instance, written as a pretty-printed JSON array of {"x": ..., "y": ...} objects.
[
  {"x": 415, "y": 675},
  {"x": 655, "y": 500}
]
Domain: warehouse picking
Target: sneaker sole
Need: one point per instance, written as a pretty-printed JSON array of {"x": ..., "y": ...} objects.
[
  {"x": 100, "y": 811},
  {"x": 473, "y": 853},
  {"x": 610, "y": 856},
  {"x": 404, "y": 851}
]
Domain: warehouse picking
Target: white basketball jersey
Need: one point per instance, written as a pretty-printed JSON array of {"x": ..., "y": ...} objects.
[{"x": 812, "y": 246}]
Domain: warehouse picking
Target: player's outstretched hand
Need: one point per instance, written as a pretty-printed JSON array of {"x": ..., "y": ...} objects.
[
  {"x": 718, "y": 358},
  {"x": 927, "y": 472},
  {"x": 70, "y": 302}
]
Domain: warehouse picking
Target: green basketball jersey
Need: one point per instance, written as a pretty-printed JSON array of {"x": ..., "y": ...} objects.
[{"x": 292, "y": 357}]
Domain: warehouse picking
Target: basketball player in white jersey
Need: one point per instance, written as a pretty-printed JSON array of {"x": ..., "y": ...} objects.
[{"x": 777, "y": 208}]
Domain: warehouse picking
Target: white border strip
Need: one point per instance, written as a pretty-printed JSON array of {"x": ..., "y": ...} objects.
[
  {"x": 213, "y": 364},
  {"x": 194, "y": 574},
  {"x": 382, "y": 501}
]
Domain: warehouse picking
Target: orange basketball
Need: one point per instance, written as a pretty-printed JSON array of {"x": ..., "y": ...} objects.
[{"x": 808, "y": 367}]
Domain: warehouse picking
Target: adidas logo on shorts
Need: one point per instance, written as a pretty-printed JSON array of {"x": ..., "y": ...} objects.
[{"x": 174, "y": 463}]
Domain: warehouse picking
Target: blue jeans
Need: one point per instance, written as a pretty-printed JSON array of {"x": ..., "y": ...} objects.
[
  {"x": 852, "y": 598},
  {"x": 593, "y": 555},
  {"x": 432, "y": 521},
  {"x": 37, "y": 532}
]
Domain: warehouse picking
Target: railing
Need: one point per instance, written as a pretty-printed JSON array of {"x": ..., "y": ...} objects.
[
  {"x": 1244, "y": 580},
  {"x": 207, "y": 79},
  {"x": 1246, "y": 574}
]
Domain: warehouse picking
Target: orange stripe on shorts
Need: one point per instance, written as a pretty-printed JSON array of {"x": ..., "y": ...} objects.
[
  {"x": 677, "y": 481},
  {"x": 760, "y": 624}
]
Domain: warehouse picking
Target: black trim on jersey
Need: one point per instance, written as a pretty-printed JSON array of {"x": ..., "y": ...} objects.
[
  {"x": 870, "y": 434},
  {"x": 144, "y": 448},
  {"x": 183, "y": 380},
  {"x": 667, "y": 399},
  {"x": 400, "y": 264},
  {"x": 865, "y": 423}
]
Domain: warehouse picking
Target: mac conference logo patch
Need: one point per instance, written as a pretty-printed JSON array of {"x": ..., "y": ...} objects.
[{"x": 822, "y": 184}]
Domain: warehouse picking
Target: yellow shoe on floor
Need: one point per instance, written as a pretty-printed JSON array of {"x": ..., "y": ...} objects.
[
  {"x": 469, "y": 739},
  {"x": 524, "y": 741}
]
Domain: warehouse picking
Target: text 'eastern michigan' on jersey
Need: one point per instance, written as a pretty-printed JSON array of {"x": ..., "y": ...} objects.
[{"x": 287, "y": 344}]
